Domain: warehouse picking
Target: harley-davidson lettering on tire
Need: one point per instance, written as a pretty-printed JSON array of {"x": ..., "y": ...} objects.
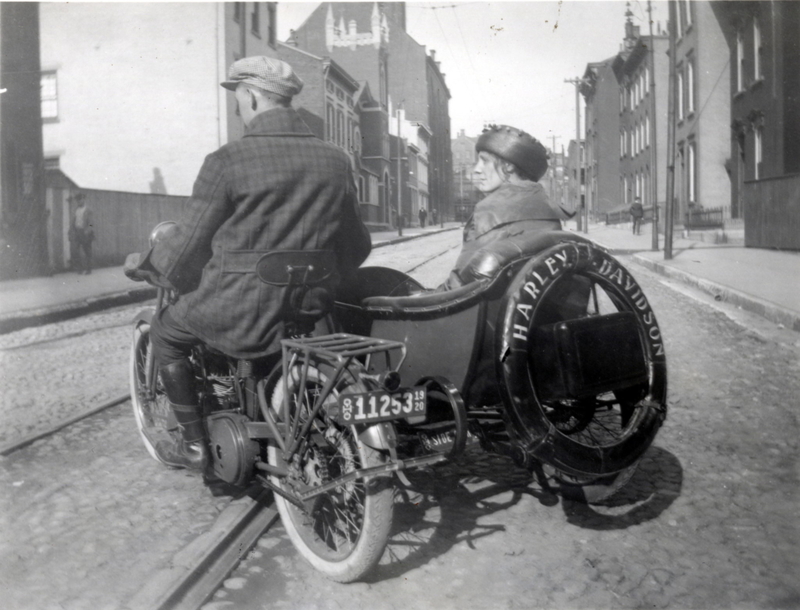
[
  {"x": 342, "y": 532},
  {"x": 582, "y": 365}
]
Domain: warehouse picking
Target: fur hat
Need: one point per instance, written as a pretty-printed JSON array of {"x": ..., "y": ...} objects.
[{"x": 517, "y": 147}]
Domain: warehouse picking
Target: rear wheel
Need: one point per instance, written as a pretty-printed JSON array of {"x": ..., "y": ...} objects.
[
  {"x": 151, "y": 408},
  {"x": 344, "y": 531}
]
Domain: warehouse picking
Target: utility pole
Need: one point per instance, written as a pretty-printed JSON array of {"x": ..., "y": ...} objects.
[
  {"x": 653, "y": 132},
  {"x": 582, "y": 213},
  {"x": 399, "y": 177},
  {"x": 670, "y": 204},
  {"x": 553, "y": 167}
]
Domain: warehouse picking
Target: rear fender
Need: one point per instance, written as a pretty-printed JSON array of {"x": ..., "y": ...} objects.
[
  {"x": 144, "y": 316},
  {"x": 381, "y": 436}
]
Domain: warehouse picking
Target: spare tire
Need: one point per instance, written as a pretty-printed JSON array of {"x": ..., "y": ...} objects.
[{"x": 580, "y": 362}]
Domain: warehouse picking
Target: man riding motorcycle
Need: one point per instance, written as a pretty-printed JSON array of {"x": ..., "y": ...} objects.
[{"x": 279, "y": 188}]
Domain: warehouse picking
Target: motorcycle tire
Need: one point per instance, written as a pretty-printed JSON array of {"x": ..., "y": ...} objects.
[
  {"x": 152, "y": 412},
  {"x": 592, "y": 442},
  {"x": 342, "y": 533}
]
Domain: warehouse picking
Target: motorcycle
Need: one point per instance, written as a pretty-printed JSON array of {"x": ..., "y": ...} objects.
[{"x": 550, "y": 354}]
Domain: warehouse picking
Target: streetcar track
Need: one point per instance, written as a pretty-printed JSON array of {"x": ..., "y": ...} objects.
[
  {"x": 428, "y": 260},
  {"x": 13, "y": 446},
  {"x": 199, "y": 569},
  {"x": 69, "y": 335}
]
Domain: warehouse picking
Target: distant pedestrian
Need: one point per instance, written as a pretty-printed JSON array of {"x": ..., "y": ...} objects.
[
  {"x": 637, "y": 213},
  {"x": 82, "y": 235},
  {"x": 433, "y": 216},
  {"x": 423, "y": 215}
]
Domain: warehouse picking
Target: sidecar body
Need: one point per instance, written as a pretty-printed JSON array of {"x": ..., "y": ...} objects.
[{"x": 550, "y": 330}]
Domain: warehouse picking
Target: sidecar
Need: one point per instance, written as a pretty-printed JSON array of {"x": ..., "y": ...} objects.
[{"x": 549, "y": 334}]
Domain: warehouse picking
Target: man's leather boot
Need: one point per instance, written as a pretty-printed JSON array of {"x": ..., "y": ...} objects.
[{"x": 192, "y": 450}]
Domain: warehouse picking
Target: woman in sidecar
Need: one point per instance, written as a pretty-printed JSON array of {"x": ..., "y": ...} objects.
[{"x": 539, "y": 342}]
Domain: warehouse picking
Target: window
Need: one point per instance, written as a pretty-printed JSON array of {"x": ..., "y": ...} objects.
[
  {"x": 692, "y": 171},
  {"x": 757, "y": 50},
  {"x": 647, "y": 130},
  {"x": 690, "y": 87},
  {"x": 688, "y": 13},
  {"x": 331, "y": 123},
  {"x": 237, "y": 11},
  {"x": 255, "y": 19},
  {"x": 759, "y": 150},
  {"x": 739, "y": 61},
  {"x": 49, "y": 96},
  {"x": 680, "y": 96},
  {"x": 621, "y": 145}
]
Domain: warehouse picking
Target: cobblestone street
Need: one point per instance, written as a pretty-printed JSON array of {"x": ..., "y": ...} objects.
[{"x": 709, "y": 520}]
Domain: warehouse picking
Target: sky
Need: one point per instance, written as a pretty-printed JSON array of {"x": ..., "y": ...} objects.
[{"x": 506, "y": 62}]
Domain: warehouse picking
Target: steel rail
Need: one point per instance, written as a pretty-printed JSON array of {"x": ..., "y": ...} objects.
[
  {"x": 196, "y": 572},
  {"x": 13, "y": 446}
]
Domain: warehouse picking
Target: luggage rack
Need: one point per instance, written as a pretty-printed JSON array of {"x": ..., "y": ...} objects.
[{"x": 337, "y": 350}]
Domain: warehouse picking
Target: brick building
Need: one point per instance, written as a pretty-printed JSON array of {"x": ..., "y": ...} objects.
[
  {"x": 369, "y": 40},
  {"x": 601, "y": 93},
  {"x": 764, "y": 51},
  {"x": 702, "y": 113},
  {"x": 642, "y": 120},
  {"x": 23, "y": 215}
]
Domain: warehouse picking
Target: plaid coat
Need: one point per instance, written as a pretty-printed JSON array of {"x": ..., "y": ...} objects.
[{"x": 278, "y": 188}]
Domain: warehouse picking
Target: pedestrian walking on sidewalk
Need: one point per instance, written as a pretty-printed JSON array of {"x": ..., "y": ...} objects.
[
  {"x": 637, "y": 213},
  {"x": 433, "y": 216},
  {"x": 423, "y": 214},
  {"x": 279, "y": 188},
  {"x": 81, "y": 234}
]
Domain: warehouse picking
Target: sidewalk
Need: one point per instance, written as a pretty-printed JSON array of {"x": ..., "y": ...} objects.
[
  {"x": 765, "y": 282},
  {"x": 41, "y": 300}
]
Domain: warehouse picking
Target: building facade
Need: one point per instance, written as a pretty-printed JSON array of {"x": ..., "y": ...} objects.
[
  {"x": 465, "y": 193},
  {"x": 764, "y": 52},
  {"x": 132, "y": 100},
  {"x": 601, "y": 93},
  {"x": 370, "y": 42},
  {"x": 702, "y": 113},
  {"x": 642, "y": 117}
]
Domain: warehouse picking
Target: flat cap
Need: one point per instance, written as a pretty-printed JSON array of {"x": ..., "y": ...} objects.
[
  {"x": 517, "y": 147},
  {"x": 265, "y": 72}
]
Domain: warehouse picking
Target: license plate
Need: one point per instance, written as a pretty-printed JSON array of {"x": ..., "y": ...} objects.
[{"x": 381, "y": 405}]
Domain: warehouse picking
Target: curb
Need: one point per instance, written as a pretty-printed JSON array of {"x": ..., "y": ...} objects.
[
  {"x": 765, "y": 309},
  {"x": 47, "y": 315},
  {"x": 59, "y": 313}
]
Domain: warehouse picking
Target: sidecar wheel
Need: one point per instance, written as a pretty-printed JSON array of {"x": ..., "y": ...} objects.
[
  {"x": 151, "y": 411},
  {"x": 582, "y": 366},
  {"x": 342, "y": 533}
]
